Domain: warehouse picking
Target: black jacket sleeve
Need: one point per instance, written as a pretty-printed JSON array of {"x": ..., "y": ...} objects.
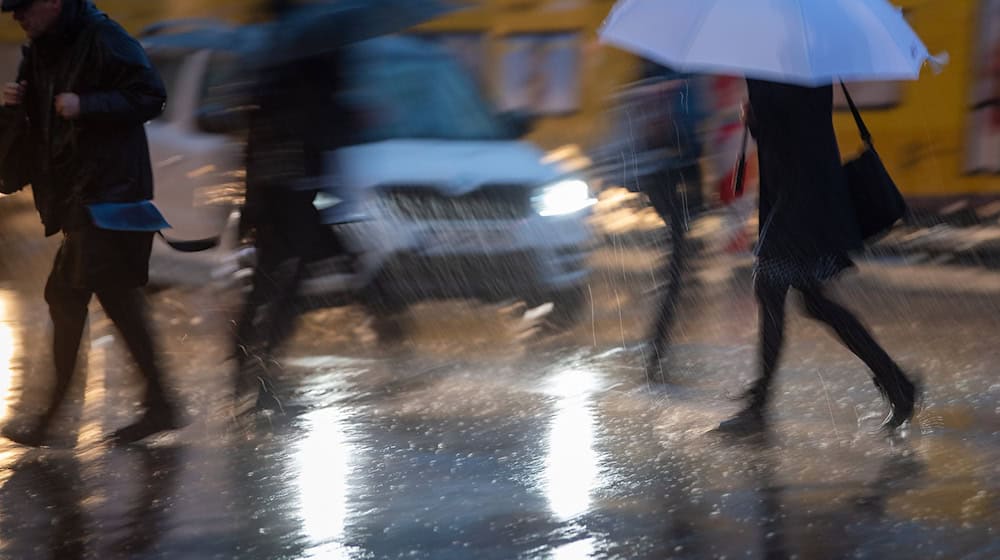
[{"x": 133, "y": 90}]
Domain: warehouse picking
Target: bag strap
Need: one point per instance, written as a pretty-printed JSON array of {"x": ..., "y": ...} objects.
[
  {"x": 866, "y": 136},
  {"x": 741, "y": 164}
]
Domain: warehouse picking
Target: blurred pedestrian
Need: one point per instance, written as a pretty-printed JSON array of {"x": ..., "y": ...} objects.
[
  {"x": 807, "y": 228},
  {"x": 674, "y": 189},
  {"x": 74, "y": 131},
  {"x": 298, "y": 119}
]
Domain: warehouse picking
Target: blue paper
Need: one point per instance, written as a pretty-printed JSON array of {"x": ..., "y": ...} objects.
[{"x": 127, "y": 216}]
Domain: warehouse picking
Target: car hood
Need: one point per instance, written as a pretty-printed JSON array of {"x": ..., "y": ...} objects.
[{"x": 454, "y": 167}]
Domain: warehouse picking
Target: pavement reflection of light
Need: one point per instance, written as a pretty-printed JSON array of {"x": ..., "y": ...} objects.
[
  {"x": 323, "y": 459},
  {"x": 7, "y": 344},
  {"x": 579, "y": 550},
  {"x": 571, "y": 466}
]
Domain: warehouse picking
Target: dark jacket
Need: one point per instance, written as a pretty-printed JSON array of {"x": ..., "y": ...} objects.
[
  {"x": 102, "y": 156},
  {"x": 300, "y": 118},
  {"x": 805, "y": 205}
]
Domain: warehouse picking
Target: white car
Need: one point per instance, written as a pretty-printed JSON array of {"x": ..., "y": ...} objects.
[{"x": 457, "y": 205}]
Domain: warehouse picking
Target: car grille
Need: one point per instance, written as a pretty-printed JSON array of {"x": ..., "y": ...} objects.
[
  {"x": 487, "y": 203},
  {"x": 415, "y": 277}
]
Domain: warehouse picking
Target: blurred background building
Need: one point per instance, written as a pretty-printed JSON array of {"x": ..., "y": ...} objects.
[{"x": 939, "y": 136}]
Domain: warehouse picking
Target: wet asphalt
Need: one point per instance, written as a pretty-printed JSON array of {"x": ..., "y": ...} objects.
[{"x": 487, "y": 433}]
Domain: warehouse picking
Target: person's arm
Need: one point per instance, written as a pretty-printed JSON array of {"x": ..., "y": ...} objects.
[{"x": 134, "y": 90}]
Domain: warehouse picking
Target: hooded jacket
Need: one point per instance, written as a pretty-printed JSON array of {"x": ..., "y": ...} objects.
[{"x": 103, "y": 155}]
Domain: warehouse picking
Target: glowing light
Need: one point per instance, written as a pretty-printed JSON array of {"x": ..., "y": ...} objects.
[
  {"x": 564, "y": 197},
  {"x": 8, "y": 342},
  {"x": 324, "y": 466},
  {"x": 571, "y": 466},
  {"x": 579, "y": 550}
]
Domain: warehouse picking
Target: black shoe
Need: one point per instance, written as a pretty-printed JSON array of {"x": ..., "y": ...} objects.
[
  {"x": 902, "y": 406},
  {"x": 151, "y": 423},
  {"x": 747, "y": 422},
  {"x": 30, "y": 435},
  {"x": 267, "y": 400}
]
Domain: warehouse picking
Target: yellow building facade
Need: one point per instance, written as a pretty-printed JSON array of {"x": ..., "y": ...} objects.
[
  {"x": 927, "y": 132},
  {"x": 930, "y": 138},
  {"x": 543, "y": 56}
]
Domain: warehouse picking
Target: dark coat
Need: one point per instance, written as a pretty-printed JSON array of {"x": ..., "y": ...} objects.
[
  {"x": 300, "y": 117},
  {"x": 103, "y": 156},
  {"x": 805, "y": 205}
]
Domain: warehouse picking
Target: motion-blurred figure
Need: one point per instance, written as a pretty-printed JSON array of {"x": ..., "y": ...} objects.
[
  {"x": 74, "y": 131},
  {"x": 674, "y": 188},
  {"x": 298, "y": 118}
]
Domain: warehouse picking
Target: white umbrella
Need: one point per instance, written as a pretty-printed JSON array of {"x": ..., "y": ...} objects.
[{"x": 805, "y": 42}]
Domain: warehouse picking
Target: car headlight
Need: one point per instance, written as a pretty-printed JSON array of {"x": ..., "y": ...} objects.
[{"x": 564, "y": 197}]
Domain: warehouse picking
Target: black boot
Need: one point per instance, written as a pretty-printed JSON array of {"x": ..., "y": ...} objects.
[
  {"x": 156, "y": 419},
  {"x": 749, "y": 421},
  {"x": 30, "y": 434},
  {"x": 902, "y": 397},
  {"x": 267, "y": 398},
  {"x": 752, "y": 419}
]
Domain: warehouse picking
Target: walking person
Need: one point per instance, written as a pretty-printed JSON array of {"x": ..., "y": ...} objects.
[
  {"x": 74, "y": 131},
  {"x": 298, "y": 119},
  {"x": 807, "y": 228},
  {"x": 675, "y": 191}
]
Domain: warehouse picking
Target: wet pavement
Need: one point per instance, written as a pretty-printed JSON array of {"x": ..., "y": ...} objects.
[{"x": 484, "y": 434}]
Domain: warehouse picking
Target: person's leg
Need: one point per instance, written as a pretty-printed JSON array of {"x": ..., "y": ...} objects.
[
  {"x": 771, "y": 316},
  {"x": 127, "y": 310},
  {"x": 280, "y": 315},
  {"x": 264, "y": 290},
  {"x": 888, "y": 377},
  {"x": 68, "y": 311},
  {"x": 668, "y": 200}
]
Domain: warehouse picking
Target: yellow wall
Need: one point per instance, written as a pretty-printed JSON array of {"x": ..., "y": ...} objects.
[
  {"x": 602, "y": 69},
  {"x": 135, "y": 14},
  {"x": 922, "y": 140}
]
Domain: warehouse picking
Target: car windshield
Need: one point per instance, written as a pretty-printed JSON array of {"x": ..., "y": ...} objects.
[{"x": 424, "y": 97}]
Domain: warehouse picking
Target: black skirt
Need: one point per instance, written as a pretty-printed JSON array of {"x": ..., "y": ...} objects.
[
  {"x": 800, "y": 272},
  {"x": 95, "y": 259}
]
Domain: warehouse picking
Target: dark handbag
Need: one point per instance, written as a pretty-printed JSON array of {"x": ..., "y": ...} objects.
[
  {"x": 14, "y": 163},
  {"x": 878, "y": 204}
]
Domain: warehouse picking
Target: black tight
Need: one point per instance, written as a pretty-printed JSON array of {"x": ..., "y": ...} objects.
[{"x": 771, "y": 300}]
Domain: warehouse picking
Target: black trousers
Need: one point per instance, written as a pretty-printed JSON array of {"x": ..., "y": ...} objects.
[
  {"x": 112, "y": 265},
  {"x": 269, "y": 313},
  {"x": 675, "y": 195},
  {"x": 289, "y": 235},
  {"x": 771, "y": 294}
]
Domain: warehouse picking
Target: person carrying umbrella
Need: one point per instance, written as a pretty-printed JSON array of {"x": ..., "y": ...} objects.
[
  {"x": 807, "y": 229},
  {"x": 809, "y": 220},
  {"x": 298, "y": 117}
]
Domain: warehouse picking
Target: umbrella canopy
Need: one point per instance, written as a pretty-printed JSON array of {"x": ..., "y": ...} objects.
[
  {"x": 804, "y": 42},
  {"x": 314, "y": 29}
]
